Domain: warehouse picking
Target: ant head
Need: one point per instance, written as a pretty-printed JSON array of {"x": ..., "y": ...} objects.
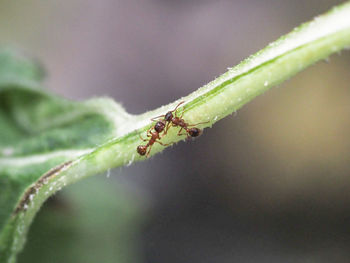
[
  {"x": 168, "y": 116},
  {"x": 142, "y": 149},
  {"x": 159, "y": 127},
  {"x": 194, "y": 132}
]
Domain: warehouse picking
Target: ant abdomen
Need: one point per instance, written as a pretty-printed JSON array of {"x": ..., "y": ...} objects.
[
  {"x": 141, "y": 149},
  {"x": 194, "y": 132}
]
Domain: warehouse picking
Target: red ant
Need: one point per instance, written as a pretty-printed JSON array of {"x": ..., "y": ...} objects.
[
  {"x": 170, "y": 118},
  {"x": 175, "y": 121},
  {"x": 155, "y": 136}
]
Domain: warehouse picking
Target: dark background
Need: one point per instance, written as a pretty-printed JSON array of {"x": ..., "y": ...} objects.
[{"x": 268, "y": 184}]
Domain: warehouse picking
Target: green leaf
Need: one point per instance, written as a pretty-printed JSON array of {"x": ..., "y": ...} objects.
[
  {"x": 48, "y": 142},
  {"x": 38, "y": 132}
]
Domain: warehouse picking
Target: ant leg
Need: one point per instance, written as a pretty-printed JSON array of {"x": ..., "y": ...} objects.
[
  {"x": 149, "y": 150},
  {"x": 164, "y": 144},
  {"x": 174, "y": 110},
  {"x": 155, "y": 118},
  {"x": 142, "y": 138},
  {"x": 182, "y": 113},
  {"x": 187, "y": 133},
  {"x": 190, "y": 125},
  {"x": 167, "y": 128},
  {"x": 180, "y": 134},
  {"x": 188, "y": 137},
  {"x": 148, "y": 135},
  {"x": 178, "y": 105},
  {"x": 149, "y": 132}
]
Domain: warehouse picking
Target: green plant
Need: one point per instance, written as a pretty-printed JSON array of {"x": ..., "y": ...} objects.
[{"x": 48, "y": 142}]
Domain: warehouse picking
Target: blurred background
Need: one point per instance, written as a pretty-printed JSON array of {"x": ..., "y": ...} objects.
[{"x": 269, "y": 184}]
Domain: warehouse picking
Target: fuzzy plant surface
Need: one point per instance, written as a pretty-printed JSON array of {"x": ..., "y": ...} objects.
[{"x": 47, "y": 142}]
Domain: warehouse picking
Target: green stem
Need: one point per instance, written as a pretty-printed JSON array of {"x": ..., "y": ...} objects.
[{"x": 279, "y": 61}]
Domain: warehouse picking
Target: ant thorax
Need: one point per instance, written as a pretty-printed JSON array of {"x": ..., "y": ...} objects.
[
  {"x": 194, "y": 132},
  {"x": 155, "y": 136},
  {"x": 179, "y": 122}
]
